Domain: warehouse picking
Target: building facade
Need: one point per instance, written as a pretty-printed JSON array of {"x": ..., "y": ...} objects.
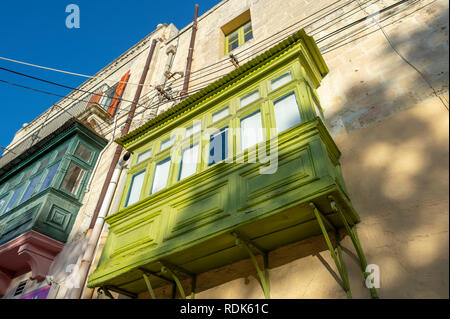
[{"x": 355, "y": 94}]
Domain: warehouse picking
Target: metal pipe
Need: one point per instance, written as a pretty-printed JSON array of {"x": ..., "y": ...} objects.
[
  {"x": 108, "y": 189},
  {"x": 124, "y": 131},
  {"x": 187, "y": 74}
]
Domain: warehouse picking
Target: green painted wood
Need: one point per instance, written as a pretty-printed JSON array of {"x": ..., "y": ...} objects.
[
  {"x": 53, "y": 211},
  {"x": 190, "y": 222}
]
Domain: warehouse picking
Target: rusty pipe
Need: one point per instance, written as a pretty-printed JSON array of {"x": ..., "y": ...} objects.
[{"x": 187, "y": 74}]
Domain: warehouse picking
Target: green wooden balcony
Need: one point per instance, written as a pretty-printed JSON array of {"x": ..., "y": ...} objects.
[{"x": 228, "y": 209}]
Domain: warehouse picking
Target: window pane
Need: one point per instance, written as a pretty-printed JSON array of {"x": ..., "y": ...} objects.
[
  {"x": 61, "y": 152},
  {"x": 31, "y": 188},
  {"x": 135, "y": 189},
  {"x": 143, "y": 156},
  {"x": 193, "y": 129},
  {"x": 220, "y": 114},
  {"x": 161, "y": 175},
  {"x": 3, "y": 204},
  {"x": 72, "y": 181},
  {"x": 26, "y": 175},
  {"x": 189, "y": 159},
  {"x": 281, "y": 80},
  {"x": 167, "y": 143},
  {"x": 83, "y": 152},
  {"x": 218, "y": 146},
  {"x": 249, "y": 98},
  {"x": 43, "y": 163},
  {"x": 49, "y": 178},
  {"x": 14, "y": 198},
  {"x": 287, "y": 113},
  {"x": 248, "y": 27},
  {"x": 251, "y": 130},
  {"x": 233, "y": 45},
  {"x": 248, "y": 36},
  {"x": 233, "y": 36}
]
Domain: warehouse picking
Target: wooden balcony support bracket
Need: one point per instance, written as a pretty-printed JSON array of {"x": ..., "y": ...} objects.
[
  {"x": 338, "y": 260},
  {"x": 351, "y": 230},
  {"x": 172, "y": 270},
  {"x": 107, "y": 293},
  {"x": 245, "y": 243},
  {"x": 146, "y": 274}
]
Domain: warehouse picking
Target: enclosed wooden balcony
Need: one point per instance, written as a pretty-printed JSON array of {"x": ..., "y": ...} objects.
[{"x": 265, "y": 171}]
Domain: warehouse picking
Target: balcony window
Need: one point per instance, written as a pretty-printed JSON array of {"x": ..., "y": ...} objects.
[
  {"x": 218, "y": 146},
  {"x": 287, "y": 113},
  {"x": 83, "y": 153},
  {"x": 12, "y": 201},
  {"x": 3, "y": 202},
  {"x": 49, "y": 177},
  {"x": 143, "y": 156},
  {"x": 189, "y": 160},
  {"x": 61, "y": 152},
  {"x": 249, "y": 98},
  {"x": 135, "y": 189},
  {"x": 193, "y": 129},
  {"x": 31, "y": 188},
  {"x": 251, "y": 130},
  {"x": 167, "y": 143},
  {"x": 217, "y": 116},
  {"x": 73, "y": 178},
  {"x": 281, "y": 80},
  {"x": 161, "y": 176}
]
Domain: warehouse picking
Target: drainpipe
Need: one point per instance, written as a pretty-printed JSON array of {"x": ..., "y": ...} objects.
[
  {"x": 187, "y": 74},
  {"x": 108, "y": 189}
]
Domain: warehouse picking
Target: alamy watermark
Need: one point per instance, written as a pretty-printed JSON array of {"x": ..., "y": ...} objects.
[{"x": 73, "y": 19}]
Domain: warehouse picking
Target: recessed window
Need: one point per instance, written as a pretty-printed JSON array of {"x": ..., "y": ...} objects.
[
  {"x": 287, "y": 113},
  {"x": 249, "y": 98},
  {"x": 218, "y": 146},
  {"x": 161, "y": 176},
  {"x": 83, "y": 152},
  {"x": 49, "y": 177},
  {"x": 189, "y": 159},
  {"x": 238, "y": 37},
  {"x": 193, "y": 129},
  {"x": 143, "y": 156},
  {"x": 281, "y": 80},
  {"x": 217, "y": 116},
  {"x": 72, "y": 181},
  {"x": 167, "y": 143},
  {"x": 137, "y": 181},
  {"x": 31, "y": 188},
  {"x": 251, "y": 130}
]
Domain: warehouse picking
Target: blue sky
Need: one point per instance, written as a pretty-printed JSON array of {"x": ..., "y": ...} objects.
[{"x": 35, "y": 32}]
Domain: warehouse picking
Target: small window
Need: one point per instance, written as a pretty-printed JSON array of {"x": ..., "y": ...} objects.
[
  {"x": 281, "y": 80},
  {"x": 72, "y": 181},
  {"x": 108, "y": 97},
  {"x": 251, "y": 130},
  {"x": 14, "y": 197},
  {"x": 143, "y": 156},
  {"x": 189, "y": 160},
  {"x": 83, "y": 153},
  {"x": 49, "y": 177},
  {"x": 31, "y": 188},
  {"x": 167, "y": 143},
  {"x": 20, "y": 288},
  {"x": 161, "y": 176},
  {"x": 218, "y": 146},
  {"x": 249, "y": 98},
  {"x": 193, "y": 129},
  {"x": 238, "y": 37},
  {"x": 286, "y": 112},
  {"x": 134, "y": 194},
  {"x": 217, "y": 116}
]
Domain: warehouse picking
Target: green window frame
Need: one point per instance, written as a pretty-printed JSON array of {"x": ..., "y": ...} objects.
[{"x": 238, "y": 37}]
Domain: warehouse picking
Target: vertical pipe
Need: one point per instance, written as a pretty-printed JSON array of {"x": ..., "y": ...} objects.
[{"x": 187, "y": 74}]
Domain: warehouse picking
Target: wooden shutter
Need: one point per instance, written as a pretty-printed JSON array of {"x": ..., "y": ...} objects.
[
  {"x": 95, "y": 99},
  {"x": 118, "y": 94}
]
